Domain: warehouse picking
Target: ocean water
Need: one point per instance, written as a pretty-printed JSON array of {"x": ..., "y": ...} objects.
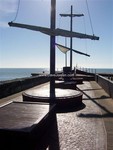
[{"x": 14, "y": 73}]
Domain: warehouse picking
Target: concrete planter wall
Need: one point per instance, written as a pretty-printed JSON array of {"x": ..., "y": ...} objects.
[{"x": 105, "y": 83}]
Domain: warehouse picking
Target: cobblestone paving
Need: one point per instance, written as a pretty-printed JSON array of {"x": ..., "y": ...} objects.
[{"x": 82, "y": 130}]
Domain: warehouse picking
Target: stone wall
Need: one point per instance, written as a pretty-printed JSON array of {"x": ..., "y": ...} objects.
[{"x": 14, "y": 86}]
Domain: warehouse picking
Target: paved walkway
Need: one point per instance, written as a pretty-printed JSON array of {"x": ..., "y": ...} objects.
[
  {"x": 87, "y": 129},
  {"x": 90, "y": 128}
]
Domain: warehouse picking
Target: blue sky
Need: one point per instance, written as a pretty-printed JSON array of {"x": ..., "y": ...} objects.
[{"x": 21, "y": 48}]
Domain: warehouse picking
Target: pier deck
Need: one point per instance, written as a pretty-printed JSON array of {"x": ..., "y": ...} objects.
[
  {"x": 92, "y": 127},
  {"x": 87, "y": 129}
]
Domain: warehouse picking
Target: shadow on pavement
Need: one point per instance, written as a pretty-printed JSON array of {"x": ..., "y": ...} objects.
[
  {"x": 107, "y": 114},
  {"x": 92, "y": 89},
  {"x": 54, "y": 136}
]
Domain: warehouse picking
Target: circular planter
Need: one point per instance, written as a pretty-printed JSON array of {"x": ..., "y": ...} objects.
[{"x": 65, "y": 98}]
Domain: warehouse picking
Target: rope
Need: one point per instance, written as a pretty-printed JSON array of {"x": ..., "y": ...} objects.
[
  {"x": 84, "y": 23},
  {"x": 85, "y": 32},
  {"x": 86, "y": 46},
  {"x": 59, "y": 25},
  {"x": 89, "y": 17},
  {"x": 66, "y": 41},
  {"x": 17, "y": 11}
]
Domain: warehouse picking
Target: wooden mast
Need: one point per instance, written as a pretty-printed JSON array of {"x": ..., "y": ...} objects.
[
  {"x": 52, "y": 52},
  {"x": 71, "y": 23},
  {"x": 71, "y": 15}
]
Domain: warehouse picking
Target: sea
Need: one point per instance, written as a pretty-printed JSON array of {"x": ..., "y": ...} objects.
[{"x": 15, "y": 73}]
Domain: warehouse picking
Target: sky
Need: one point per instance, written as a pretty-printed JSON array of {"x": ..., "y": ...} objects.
[{"x": 21, "y": 48}]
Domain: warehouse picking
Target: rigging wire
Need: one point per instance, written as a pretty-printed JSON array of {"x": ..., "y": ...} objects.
[
  {"x": 89, "y": 17},
  {"x": 18, "y": 5},
  {"x": 86, "y": 43},
  {"x": 85, "y": 33},
  {"x": 84, "y": 23},
  {"x": 59, "y": 25},
  {"x": 66, "y": 52}
]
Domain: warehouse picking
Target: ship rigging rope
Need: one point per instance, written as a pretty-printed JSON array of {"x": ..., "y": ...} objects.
[
  {"x": 85, "y": 33},
  {"x": 89, "y": 17},
  {"x": 18, "y": 5}
]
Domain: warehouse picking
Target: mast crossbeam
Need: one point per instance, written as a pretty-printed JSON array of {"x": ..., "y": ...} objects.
[
  {"x": 71, "y": 15},
  {"x": 54, "y": 32}
]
